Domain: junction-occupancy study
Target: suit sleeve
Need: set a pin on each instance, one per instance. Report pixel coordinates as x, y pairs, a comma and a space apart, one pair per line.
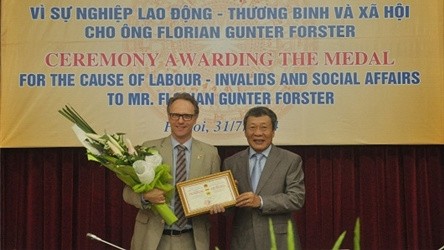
131, 197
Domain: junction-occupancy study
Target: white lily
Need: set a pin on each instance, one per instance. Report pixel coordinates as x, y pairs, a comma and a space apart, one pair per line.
144, 171
115, 143
94, 137
154, 160
114, 148
131, 149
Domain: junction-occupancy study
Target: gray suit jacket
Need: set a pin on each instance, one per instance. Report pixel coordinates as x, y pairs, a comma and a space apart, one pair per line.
148, 227
282, 189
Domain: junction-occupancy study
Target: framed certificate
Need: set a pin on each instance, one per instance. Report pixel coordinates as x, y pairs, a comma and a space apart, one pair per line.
198, 195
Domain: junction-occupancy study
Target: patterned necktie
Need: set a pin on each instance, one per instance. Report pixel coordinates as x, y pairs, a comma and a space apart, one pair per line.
181, 175
256, 174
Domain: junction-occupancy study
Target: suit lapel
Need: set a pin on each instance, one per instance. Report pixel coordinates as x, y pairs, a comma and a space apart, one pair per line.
196, 160
270, 166
165, 149
244, 170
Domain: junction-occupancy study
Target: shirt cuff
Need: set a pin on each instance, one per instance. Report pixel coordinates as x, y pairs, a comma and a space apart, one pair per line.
145, 204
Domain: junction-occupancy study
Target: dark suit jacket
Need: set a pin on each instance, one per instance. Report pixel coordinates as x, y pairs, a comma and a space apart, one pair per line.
282, 189
148, 227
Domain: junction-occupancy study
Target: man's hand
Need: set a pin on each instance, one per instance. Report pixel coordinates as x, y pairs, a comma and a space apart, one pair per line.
248, 199
155, 196
215, 209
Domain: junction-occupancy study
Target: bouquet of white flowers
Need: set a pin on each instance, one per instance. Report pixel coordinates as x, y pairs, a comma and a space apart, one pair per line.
139, 167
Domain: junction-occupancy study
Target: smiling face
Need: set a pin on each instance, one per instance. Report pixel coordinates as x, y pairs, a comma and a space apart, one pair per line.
181, 129
259, 132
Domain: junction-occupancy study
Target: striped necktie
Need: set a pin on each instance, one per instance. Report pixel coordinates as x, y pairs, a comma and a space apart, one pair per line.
181, 175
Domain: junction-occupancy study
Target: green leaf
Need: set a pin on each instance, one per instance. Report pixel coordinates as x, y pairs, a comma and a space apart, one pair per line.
357, 238
338, 242
166, 213
290, 236
272, 236
72, 115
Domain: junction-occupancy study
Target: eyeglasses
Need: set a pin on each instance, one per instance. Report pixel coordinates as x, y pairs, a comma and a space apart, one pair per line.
185, 117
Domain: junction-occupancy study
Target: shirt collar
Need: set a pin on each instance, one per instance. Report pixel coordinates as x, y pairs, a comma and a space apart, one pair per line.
266, 152
187, 144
